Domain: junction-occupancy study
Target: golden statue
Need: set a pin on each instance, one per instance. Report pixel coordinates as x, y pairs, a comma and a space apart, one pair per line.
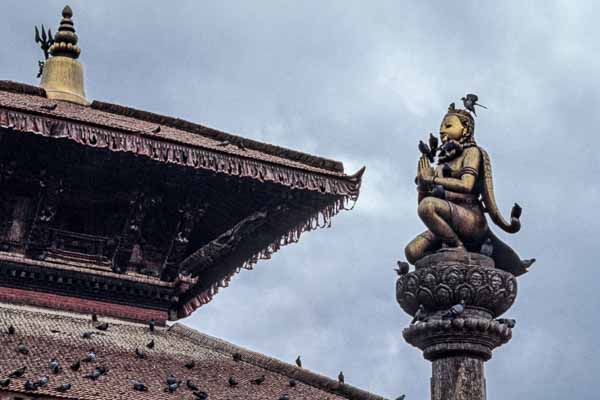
454, 197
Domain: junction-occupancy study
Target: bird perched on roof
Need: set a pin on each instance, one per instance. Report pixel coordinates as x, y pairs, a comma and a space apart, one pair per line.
171, 379
232, 382
200, 395
237, 357
403, 268
401, 397
139, 386
11, 330
49, 107
455, 310
191, 385
292, 383
172, 387
17, 373
103, 326
4, 382
29, 385
487, 248
156, 129
75, 366
298, 362
90, 357
87, 334
22, 349
54, 366
470, 101
96, 373
420, 316
43, 381
341, 377
258, 380
151, 325
150, 344
508, 322
140, 354
63, 387
190, 364
94, 317
284, 397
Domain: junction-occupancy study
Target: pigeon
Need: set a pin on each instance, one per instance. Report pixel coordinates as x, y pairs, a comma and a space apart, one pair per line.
292, 383
96, 373
171, 379
29, 385
284, 397
232, 382
102, 327
425, 150
49, 107
224, 143
433, 143
54, 366
17, 373
155, 130
341, 377
87, 335
151, 325
258, 380
172, 387
508, 322
420, 315
454, 311
237, 357
150, 344
75, 366
403, 268
4, 382
401, 397
200, 395
140, 354
94, 317
470, 101
22, 349
191, 385
43, 381
446, 171
139, 386
299, 362
516, 211
527, 263
91, 357
63, 387
190, 364
487, 248
11, 330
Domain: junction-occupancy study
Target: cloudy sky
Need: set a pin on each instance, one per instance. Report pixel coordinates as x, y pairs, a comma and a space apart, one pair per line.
362, 82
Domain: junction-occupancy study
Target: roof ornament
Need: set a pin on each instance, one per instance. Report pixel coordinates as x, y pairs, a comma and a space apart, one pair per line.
45, 40
61, 73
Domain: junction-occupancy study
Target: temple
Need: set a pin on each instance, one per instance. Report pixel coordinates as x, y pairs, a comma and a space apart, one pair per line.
115, 221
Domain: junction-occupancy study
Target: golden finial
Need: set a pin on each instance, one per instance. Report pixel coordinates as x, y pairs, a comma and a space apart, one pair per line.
62, 74
65, 40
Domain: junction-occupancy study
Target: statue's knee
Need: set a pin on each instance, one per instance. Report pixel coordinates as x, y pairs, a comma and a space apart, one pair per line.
426, 208
410, 252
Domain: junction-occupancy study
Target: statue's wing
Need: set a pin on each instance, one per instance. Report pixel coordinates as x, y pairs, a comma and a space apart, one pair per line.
490, 200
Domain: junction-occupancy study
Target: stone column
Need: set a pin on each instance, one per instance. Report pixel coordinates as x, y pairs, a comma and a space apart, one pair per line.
457, 347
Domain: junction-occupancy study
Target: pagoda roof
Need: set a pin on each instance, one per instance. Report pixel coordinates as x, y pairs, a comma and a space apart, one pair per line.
52, 334
25, 108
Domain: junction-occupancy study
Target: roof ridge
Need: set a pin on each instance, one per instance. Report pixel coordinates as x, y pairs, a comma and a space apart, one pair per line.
221, 136
23, 88
274, 365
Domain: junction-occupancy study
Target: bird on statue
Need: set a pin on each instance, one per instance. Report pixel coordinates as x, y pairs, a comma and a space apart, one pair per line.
487, 248
341, 377
470, 101
299, 362
454, 311
403, 268
420, 315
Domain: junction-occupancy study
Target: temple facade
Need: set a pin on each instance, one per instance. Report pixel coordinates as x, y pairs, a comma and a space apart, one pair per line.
116, 222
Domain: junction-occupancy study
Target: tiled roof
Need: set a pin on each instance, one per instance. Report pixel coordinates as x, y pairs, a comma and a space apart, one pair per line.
117, 128
57, 335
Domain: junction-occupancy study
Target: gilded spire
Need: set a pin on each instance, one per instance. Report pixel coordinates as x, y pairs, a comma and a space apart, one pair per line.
62, 74
65, 40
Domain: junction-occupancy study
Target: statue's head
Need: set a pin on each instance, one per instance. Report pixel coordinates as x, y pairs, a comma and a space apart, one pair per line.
457, 125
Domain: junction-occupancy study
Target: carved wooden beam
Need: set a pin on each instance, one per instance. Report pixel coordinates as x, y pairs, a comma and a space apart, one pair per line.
222, 246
